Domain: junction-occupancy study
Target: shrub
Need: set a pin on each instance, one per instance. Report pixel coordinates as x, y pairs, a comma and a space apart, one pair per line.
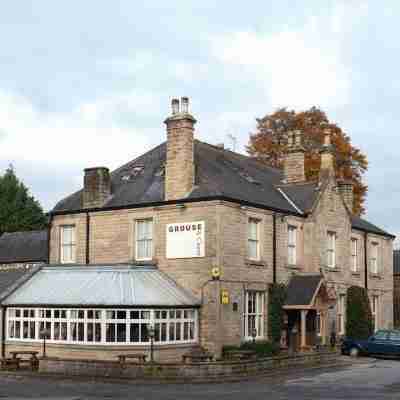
262, 349
358, 313
277, 297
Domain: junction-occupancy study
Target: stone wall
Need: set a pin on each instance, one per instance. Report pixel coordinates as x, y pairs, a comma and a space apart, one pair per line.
190, 372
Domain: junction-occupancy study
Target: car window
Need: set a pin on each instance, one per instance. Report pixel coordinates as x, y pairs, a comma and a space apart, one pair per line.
380, 335
395, 336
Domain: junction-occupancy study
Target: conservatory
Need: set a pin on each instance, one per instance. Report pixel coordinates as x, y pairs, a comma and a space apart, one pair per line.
105, 305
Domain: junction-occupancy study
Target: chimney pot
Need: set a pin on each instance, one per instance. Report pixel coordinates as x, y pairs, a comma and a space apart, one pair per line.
185, 105
175, 106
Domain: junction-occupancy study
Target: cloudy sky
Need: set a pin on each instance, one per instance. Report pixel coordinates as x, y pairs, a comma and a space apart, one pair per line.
86, 83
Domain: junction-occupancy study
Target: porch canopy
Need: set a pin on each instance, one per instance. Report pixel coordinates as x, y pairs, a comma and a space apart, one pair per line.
308, 292
101, 285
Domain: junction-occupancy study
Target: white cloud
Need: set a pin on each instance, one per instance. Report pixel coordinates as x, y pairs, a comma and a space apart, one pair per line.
296, 67
89, 135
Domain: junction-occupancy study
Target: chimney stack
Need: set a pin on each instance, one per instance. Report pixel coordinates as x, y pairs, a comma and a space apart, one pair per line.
294, 160
179, 169
327, 155
345, 187
96, 187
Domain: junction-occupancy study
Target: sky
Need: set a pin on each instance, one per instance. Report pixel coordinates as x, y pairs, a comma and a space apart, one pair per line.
89, 83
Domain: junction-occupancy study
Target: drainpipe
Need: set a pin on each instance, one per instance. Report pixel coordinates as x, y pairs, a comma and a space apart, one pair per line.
87, 238
274, 247
48, 238
3, 332
366, 259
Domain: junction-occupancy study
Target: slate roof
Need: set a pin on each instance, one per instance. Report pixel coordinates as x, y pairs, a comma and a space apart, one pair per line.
363, 225
396, 262
301, 289
101, 285
21, 247
220, 173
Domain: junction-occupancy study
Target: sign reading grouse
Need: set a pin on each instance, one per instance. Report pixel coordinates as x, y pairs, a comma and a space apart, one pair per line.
185, 240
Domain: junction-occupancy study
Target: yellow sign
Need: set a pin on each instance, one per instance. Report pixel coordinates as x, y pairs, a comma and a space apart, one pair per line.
224, 297
215, 273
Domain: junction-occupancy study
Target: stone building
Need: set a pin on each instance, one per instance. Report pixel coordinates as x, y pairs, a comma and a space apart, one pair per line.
182, 244
396, 287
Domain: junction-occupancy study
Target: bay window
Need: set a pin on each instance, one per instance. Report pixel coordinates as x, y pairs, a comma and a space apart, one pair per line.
144, 239
254, 314
102, 326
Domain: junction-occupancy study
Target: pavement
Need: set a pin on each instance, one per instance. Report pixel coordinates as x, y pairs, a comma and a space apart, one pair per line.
363, 378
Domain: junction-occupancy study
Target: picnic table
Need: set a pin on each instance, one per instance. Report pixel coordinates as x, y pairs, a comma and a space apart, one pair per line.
138, 356
16, 360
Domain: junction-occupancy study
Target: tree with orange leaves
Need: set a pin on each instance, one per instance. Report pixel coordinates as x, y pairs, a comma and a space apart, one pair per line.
269, 144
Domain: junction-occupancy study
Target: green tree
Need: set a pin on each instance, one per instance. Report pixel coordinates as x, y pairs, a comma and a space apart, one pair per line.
276, 301
359, 323
269, 145
19, 211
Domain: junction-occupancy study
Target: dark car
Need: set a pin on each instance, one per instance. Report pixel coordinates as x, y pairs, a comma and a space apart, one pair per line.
383, 342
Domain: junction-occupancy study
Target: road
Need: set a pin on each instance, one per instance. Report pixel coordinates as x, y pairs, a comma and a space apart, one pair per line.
364, 379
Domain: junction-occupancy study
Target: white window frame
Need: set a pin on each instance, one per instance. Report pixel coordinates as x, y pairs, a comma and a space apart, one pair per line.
374, 258
331, 249
71, 244
354, 254
292, 245
341, 309
375, 311
145, 239
256, 240
318, 323
256, 314
180, 325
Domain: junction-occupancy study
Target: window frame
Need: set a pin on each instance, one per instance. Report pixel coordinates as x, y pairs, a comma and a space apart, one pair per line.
144, 240
331, 250
341, 310
374, 258
257, 241
184, 319
292, 247
354, 254
258, 314
71, 245
375, 311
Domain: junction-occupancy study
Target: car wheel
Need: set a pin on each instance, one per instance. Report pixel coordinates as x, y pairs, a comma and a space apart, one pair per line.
354, 352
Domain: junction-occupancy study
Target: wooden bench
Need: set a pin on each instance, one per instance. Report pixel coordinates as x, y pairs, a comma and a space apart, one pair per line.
10, 364
240, 354
138, 356
32, 362
198, 355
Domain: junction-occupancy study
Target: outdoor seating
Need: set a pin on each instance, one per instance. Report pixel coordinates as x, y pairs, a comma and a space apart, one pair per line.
15, 361
198, 355
138, 356
240, 354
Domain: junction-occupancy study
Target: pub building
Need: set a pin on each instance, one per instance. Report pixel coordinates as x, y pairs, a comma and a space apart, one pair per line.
180, 246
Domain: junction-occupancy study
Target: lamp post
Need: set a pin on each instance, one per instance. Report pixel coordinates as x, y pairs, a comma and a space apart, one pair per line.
151, 335
44, 334
254, 334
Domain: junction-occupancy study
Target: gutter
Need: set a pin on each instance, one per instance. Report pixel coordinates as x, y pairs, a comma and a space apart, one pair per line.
366, 260
87, 238
179, 201
274, 248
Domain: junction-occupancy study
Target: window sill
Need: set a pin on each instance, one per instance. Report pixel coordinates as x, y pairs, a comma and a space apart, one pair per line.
255, 263
375, 276
332, 269
356, 274
151, 261
294, 267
